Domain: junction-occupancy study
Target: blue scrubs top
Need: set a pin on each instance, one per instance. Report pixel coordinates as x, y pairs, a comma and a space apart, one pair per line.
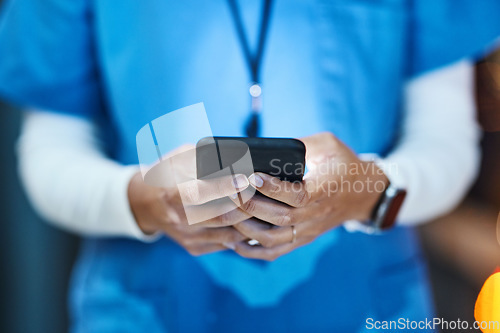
334, 66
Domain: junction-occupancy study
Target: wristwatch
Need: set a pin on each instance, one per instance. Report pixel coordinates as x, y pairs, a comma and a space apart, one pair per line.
387, 208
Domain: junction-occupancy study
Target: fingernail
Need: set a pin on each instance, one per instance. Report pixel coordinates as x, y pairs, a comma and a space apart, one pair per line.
256, 180
229, 245
240, 182
253, 242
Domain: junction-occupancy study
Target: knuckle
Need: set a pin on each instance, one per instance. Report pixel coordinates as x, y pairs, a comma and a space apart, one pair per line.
250, 206
328, 135
273, 186
217, 221
286, 218
224, 219
301, 199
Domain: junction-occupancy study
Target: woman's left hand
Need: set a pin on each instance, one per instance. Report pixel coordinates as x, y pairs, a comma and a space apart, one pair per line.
338, 187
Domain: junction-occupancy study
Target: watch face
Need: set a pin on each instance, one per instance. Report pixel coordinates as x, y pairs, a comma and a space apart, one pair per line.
396, 198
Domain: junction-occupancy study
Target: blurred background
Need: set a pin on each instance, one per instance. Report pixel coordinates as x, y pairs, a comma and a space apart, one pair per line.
462, 248
36, 259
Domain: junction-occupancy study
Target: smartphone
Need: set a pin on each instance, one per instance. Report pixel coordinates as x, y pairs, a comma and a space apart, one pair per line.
283, 158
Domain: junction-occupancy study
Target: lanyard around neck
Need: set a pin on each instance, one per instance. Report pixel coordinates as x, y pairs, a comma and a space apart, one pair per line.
253, 61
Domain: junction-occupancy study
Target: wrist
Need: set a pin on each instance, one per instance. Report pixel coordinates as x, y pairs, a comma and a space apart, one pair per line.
119, 208
376, 183
142, 203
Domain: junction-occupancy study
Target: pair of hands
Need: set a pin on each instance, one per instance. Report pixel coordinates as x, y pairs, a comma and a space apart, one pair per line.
338, 187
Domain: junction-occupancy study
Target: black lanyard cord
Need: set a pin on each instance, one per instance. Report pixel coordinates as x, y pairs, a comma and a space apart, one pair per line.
253, 61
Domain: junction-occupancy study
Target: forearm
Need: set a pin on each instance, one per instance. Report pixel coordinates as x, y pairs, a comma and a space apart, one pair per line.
437, 156
69, 179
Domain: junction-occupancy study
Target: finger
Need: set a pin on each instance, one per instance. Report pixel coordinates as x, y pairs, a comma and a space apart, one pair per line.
199, 191
275, 212
271, 236
212, 210
264, 253
224, 235
266, 234
232, 217
295, 194
205, 249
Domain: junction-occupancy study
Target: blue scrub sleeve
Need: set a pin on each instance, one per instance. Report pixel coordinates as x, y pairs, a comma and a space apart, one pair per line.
445, 31
47, 56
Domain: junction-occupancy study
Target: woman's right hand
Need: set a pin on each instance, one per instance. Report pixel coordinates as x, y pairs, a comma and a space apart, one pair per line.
161, 209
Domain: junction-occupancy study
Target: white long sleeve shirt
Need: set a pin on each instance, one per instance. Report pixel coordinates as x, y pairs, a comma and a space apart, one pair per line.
74, 185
